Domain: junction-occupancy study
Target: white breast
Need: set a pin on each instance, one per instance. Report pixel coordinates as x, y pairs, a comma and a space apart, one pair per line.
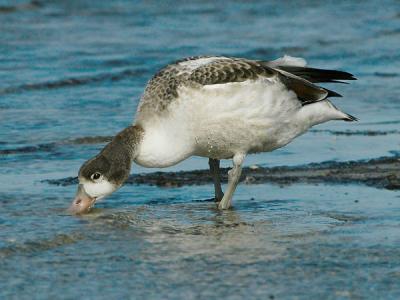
166, 142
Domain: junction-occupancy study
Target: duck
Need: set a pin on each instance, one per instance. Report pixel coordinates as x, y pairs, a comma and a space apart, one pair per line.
216, 107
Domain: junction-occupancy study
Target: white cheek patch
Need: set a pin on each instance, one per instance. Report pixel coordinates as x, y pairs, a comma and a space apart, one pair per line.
99, 189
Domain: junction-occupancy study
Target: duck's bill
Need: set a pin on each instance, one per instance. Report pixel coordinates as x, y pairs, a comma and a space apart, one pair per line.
82, 202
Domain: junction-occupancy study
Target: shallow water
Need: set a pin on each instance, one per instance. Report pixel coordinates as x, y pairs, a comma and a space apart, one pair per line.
74, 70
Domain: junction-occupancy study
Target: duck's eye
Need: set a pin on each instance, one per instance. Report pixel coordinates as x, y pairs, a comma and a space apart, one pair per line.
95, 176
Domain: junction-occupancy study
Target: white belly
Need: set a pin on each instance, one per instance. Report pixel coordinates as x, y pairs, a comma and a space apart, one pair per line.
225, 142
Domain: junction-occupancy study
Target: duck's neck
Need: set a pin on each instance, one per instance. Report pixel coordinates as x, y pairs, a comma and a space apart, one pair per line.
125, 143
130, 139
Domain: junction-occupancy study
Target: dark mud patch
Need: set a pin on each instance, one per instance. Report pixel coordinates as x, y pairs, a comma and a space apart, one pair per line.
382, 172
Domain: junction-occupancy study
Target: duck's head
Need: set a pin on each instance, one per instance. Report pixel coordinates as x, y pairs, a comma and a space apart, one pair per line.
98, 177
106, 172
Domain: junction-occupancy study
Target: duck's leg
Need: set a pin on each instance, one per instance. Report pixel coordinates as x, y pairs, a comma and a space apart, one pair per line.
233, 180
214, 170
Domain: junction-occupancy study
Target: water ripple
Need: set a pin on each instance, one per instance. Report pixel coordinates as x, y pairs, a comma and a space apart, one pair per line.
73, 81
50, 147
34, 4
32, 247
356, 132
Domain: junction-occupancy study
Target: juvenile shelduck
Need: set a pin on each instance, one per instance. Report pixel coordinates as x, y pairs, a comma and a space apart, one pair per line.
216, 107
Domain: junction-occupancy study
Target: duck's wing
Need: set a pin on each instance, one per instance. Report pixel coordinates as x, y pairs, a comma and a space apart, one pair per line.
296, 78
199, 71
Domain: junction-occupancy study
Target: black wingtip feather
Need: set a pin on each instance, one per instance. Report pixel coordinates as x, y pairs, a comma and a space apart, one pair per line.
318, 75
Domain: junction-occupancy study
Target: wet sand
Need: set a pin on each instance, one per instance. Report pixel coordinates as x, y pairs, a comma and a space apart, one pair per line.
382, 172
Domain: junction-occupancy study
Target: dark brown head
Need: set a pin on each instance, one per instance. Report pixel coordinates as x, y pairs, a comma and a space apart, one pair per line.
106, 172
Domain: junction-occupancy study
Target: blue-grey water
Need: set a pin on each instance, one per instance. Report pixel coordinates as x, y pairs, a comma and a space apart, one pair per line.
76, 69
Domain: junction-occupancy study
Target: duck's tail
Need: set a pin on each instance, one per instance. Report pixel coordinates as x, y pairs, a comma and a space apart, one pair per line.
321, 112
